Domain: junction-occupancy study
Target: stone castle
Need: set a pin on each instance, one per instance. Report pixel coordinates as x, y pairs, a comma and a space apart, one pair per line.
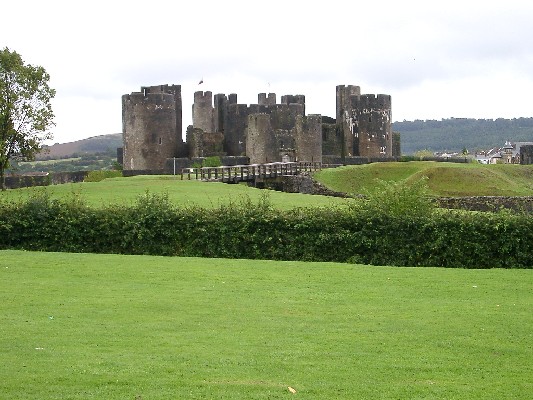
257, 133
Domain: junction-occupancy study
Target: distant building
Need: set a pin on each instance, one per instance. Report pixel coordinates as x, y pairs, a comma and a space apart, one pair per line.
510, 153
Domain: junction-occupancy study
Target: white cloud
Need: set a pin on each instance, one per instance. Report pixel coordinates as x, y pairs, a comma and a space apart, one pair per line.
436, 59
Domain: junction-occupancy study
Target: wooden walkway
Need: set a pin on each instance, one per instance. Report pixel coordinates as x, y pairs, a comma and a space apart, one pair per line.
248, 173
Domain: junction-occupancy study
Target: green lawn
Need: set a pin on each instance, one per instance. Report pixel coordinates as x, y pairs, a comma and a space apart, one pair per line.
77, 326
204, 194
444, 179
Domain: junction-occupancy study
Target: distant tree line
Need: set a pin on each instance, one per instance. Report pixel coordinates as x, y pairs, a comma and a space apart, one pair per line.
77, 162
457, 134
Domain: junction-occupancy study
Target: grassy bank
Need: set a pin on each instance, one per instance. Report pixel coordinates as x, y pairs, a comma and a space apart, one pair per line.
124, 191
444, 179
83, 326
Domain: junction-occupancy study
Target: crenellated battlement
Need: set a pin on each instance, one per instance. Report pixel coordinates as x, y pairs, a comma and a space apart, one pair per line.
349, 90
232, 98
238, 109
293, 99
140, 98
203, 97
264, 100
170, 89
381, 101
266, 131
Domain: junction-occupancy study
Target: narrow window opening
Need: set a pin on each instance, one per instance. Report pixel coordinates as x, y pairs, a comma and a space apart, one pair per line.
160, 140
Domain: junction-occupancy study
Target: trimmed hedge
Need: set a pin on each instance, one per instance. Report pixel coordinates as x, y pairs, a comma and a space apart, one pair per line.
358, 234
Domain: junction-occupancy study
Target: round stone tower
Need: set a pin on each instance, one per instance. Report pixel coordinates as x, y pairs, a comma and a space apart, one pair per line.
151, 125
261, 146
308, 138
373, 125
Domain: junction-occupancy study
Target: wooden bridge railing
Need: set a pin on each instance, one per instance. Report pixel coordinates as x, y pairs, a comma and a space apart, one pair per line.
252, 172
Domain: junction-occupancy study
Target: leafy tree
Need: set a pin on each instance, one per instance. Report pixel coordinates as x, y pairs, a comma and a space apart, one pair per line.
25, 109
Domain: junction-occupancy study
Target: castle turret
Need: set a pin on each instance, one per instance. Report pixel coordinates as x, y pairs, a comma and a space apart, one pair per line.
151, 126
220, 112
345, 120
364, 123
373, 132
202, 111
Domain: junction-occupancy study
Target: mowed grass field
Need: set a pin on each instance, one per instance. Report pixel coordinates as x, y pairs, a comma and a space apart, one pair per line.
79, 326
125, 191
444, 179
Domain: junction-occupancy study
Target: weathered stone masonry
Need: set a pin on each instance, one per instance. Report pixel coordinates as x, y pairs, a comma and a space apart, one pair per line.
151, 125
264, 132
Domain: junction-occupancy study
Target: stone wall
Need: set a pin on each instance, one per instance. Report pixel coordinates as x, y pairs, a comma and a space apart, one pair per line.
204, 144
487, 203
15, 182
526, 155
235, 129
308, 138
261, 145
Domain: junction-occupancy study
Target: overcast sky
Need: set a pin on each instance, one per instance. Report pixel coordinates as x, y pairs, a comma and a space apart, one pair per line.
437, 59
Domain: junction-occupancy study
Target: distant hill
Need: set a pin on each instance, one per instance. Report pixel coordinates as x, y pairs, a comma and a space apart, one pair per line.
455, 134
92, 145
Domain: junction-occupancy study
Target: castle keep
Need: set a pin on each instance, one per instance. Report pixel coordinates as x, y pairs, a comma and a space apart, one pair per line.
257, 133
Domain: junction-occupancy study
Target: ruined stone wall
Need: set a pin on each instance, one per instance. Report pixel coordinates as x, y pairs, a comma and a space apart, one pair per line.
488, 203
373, 129
283, 116
149, 125
203, 111
220, 112
235, 128
308, 138
345, 118
294, 99
282, 143
285, 144
204, 144
275, 141
332, 139
261, 146
526, 155
194, 141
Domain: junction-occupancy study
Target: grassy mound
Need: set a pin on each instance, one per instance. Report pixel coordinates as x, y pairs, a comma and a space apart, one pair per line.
444, 179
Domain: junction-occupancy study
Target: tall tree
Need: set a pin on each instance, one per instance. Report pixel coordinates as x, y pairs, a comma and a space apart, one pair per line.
25, 110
